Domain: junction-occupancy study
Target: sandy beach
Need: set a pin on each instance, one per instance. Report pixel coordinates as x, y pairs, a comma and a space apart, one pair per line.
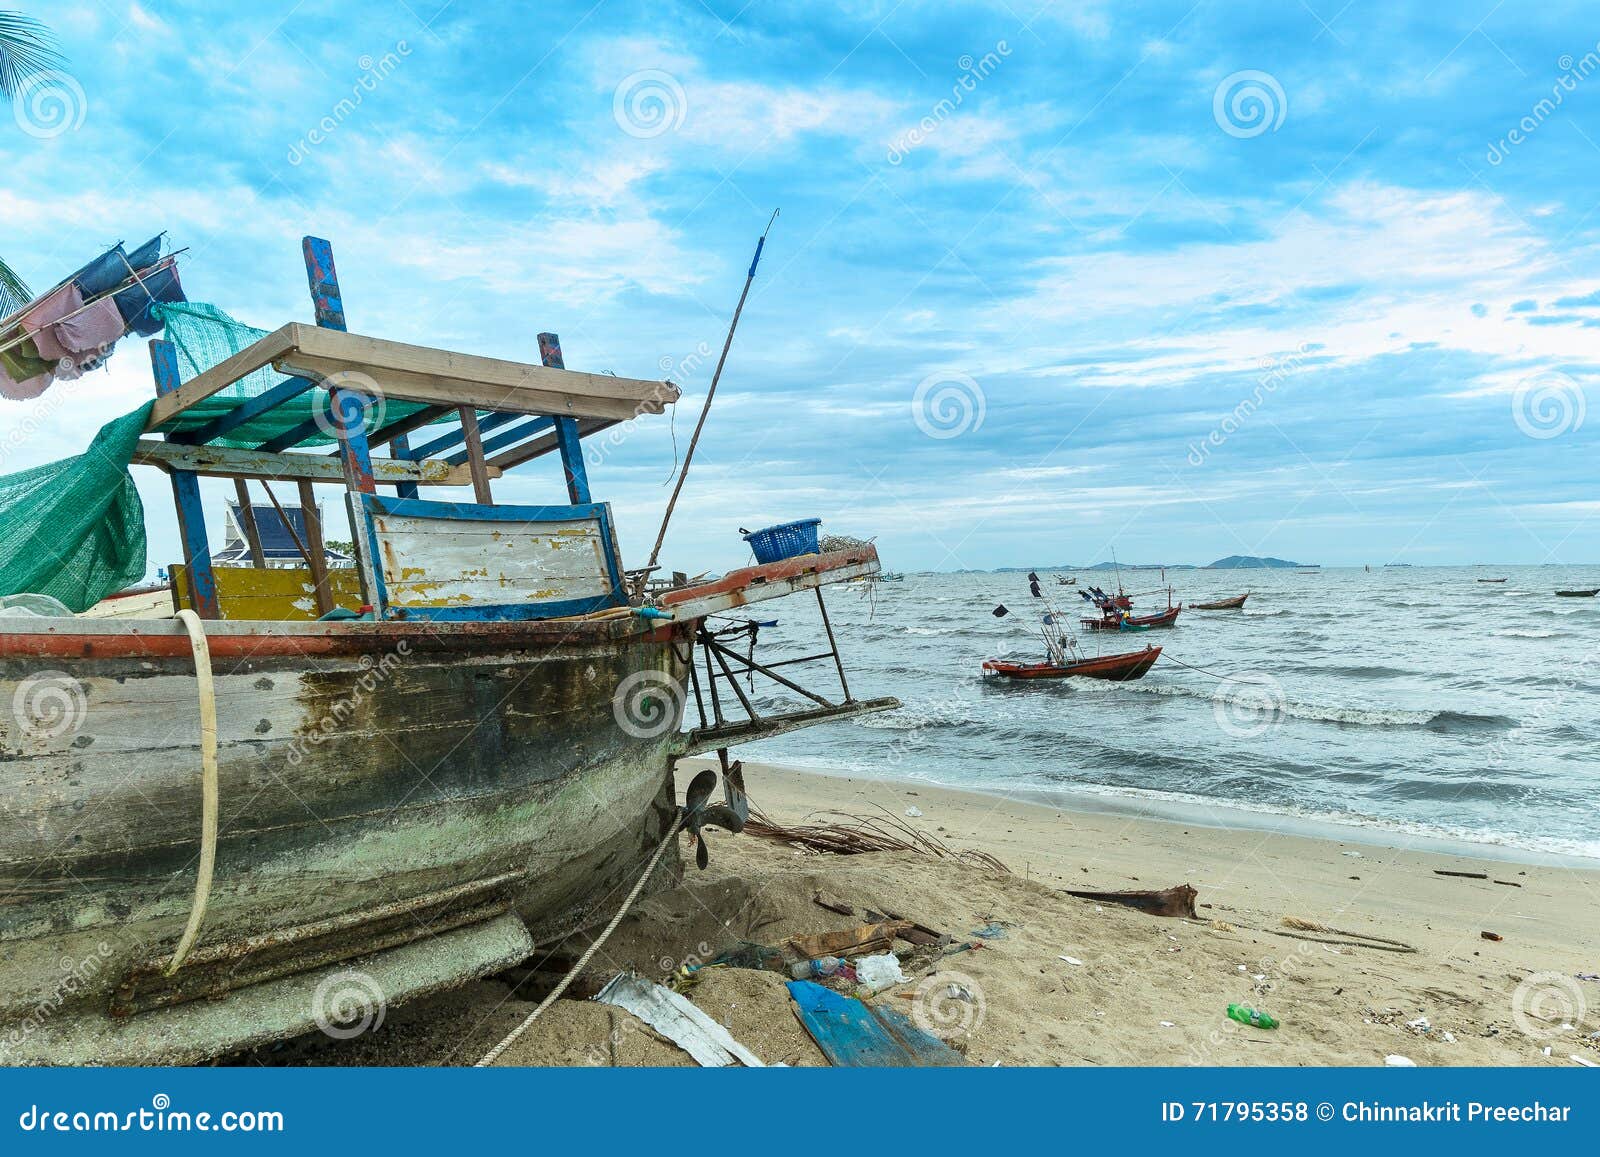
1137, 989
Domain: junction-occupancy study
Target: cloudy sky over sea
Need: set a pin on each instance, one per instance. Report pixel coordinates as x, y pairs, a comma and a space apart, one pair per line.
1314, 280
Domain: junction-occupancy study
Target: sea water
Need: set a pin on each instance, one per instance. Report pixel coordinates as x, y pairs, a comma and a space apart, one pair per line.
1415, 701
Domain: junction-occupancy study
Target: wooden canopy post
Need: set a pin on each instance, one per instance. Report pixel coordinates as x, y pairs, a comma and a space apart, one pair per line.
349, 416
566, 430
316, 552
472, 439
247, 523
186, 494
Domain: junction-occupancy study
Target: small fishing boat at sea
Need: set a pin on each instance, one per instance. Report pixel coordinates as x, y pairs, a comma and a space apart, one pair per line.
1229, 604
1582, 594
1491, 580
1066, 580
1062, 659
1116, 668
1121, 620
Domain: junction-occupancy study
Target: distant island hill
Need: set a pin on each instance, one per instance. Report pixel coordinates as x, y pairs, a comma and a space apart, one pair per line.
1232, 562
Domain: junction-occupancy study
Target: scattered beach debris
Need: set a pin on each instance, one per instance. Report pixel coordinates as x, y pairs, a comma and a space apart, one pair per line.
993, 930
1354, 855
1461, 875
876, 973
821, 966
1303, 929
1396, 1061
677, 1019
914, 812
1491, 935
913, 932
1509, 883
1421, 1025
846, 834
1072, 960
832, 904
852, 1033
1255, 1017
1222, 926
865, 940
1175, 901
1168, 1024
1584, 1061
1587, 975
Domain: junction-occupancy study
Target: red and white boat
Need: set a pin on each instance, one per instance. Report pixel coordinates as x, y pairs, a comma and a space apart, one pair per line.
1117, 668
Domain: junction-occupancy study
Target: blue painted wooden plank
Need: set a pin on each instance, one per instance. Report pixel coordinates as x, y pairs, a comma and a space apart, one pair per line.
246, 411
857, 1035
458, 435
567, 441
400, 447
470, 511
349, 417
511, 612
507, 438
186, 496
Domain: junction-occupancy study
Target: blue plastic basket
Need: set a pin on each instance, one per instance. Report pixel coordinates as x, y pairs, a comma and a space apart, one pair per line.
786, 540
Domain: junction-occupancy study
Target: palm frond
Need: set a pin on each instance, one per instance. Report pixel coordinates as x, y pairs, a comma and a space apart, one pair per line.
27, 48
14, 292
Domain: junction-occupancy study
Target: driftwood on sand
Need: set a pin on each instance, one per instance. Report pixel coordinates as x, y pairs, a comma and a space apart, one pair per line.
846, 834
1175, 901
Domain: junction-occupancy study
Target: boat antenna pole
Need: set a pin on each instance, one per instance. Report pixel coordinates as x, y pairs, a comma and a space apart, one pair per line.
710, 393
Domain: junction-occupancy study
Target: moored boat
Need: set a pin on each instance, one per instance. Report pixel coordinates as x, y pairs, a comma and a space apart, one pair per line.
1117, 668
1580, 594
1121, 621
1229, 604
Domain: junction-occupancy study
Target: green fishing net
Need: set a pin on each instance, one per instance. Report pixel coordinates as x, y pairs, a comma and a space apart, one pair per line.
74, 529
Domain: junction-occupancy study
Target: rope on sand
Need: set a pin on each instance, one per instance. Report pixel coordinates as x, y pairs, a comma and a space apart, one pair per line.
494, 1054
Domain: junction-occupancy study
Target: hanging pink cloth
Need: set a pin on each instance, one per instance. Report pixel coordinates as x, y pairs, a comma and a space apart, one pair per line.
95, 328
44, 313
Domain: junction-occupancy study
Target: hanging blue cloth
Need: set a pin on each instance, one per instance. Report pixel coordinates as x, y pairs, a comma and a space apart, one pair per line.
134, 303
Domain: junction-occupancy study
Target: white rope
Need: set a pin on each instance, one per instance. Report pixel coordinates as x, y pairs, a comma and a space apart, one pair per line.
494, 1054
208, 784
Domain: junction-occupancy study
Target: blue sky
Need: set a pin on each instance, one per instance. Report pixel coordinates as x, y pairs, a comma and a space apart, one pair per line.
1300, 279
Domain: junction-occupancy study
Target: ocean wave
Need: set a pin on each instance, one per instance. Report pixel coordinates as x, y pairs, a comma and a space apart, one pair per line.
1520, 633
1356, 716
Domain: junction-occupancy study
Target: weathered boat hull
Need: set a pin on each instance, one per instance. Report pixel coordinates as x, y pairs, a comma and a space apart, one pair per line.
379, 792
1163, 619
1230, 604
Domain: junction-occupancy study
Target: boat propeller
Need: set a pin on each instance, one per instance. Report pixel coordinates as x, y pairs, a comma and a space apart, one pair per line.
698, 810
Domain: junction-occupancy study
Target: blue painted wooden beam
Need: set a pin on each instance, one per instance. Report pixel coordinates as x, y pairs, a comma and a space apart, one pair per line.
349, 416
566, 429
507, 438
246, 411
186, 495
298, 434
458, 435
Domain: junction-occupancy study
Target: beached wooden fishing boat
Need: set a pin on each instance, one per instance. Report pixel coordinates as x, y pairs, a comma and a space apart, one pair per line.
1117, 668
1583, 594
382, 806
1230, 604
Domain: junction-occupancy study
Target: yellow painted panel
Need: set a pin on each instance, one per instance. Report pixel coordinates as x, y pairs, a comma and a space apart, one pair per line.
275, 594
